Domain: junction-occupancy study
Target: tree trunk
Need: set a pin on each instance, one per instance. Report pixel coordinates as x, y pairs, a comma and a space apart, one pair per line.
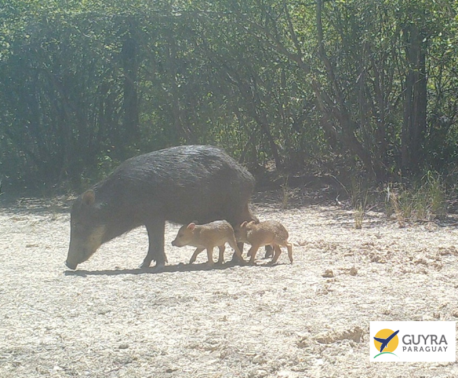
415, 101
129, 53
339, 109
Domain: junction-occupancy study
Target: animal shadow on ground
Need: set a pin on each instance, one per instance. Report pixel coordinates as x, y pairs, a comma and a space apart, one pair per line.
166, 269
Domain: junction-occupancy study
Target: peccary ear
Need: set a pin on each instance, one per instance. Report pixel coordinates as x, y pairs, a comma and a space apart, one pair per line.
89, 197
191, 226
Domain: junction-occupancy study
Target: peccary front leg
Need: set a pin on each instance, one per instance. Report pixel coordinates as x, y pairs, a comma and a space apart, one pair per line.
210, 261
156, 252
195, 254
222, 248
235, 259
252, 253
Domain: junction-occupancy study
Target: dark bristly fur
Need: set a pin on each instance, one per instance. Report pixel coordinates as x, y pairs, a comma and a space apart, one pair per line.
178, 184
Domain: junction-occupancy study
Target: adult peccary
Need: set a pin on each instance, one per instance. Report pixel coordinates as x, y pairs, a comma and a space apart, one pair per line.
178, 184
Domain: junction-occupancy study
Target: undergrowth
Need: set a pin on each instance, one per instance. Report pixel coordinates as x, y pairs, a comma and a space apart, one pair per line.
421, 201
424, 199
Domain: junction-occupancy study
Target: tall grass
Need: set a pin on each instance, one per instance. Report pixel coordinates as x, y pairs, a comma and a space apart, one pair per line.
359, 194
423, 201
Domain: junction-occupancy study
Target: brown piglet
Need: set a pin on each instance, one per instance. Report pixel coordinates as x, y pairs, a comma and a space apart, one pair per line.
260, 234
208, 236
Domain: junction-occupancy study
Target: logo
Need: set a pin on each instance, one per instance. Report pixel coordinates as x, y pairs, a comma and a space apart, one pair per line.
386, 341
413, 341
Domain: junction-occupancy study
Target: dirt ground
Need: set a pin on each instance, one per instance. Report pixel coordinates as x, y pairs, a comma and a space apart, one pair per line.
109, 319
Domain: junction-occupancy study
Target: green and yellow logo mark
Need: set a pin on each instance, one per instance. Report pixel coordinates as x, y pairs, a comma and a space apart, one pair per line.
386, 341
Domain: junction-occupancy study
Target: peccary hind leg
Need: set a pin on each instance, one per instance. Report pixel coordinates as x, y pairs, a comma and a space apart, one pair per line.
156, 229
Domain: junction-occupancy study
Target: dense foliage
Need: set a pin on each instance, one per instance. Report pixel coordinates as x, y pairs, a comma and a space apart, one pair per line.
325, 85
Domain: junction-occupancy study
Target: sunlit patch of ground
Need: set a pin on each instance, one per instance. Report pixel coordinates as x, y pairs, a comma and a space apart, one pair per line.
309, 319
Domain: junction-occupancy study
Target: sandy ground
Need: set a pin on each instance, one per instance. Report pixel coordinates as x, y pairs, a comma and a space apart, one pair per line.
109, 319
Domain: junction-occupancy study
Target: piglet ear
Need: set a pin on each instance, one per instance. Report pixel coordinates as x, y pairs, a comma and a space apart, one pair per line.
191, 226
243, 224
89, 197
